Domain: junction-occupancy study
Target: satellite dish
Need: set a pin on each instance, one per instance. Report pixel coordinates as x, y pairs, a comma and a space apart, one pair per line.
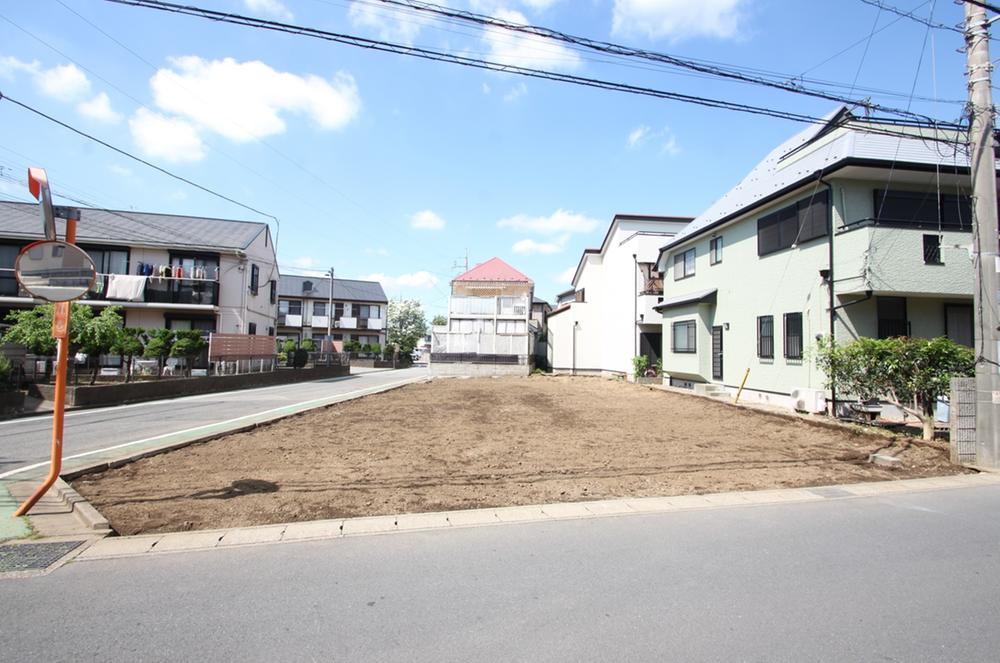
55, 271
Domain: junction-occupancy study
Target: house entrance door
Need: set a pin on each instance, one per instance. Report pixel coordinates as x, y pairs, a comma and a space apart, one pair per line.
716, 353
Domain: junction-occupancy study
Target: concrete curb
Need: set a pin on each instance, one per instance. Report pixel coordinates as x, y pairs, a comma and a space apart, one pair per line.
81, 508
317, 530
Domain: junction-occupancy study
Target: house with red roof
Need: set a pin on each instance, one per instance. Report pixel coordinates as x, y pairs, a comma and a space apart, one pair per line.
489, 330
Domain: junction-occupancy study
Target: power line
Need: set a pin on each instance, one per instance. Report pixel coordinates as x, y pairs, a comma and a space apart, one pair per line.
4, 97
628, 51
477, 63
911, 15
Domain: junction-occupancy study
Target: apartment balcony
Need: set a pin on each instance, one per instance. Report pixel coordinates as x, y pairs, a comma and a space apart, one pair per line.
289, 320
320, 321
168, 293
652, 286
346, 323
489, 306
375, 323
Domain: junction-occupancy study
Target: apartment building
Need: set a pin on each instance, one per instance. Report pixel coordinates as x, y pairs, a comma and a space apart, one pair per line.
360, 309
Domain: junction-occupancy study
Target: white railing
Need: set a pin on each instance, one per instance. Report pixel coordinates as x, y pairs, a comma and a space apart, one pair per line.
320, 321
349, 323
481, 343
293, 320
376, 323
489, 305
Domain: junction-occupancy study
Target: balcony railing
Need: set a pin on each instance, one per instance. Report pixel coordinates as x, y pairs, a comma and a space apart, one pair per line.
489, 306
197, 292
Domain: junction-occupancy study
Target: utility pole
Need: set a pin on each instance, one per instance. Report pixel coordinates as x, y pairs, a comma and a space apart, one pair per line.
329, 322
987, 259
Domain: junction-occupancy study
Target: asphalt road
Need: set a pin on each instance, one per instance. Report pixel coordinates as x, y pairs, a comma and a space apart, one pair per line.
911, 577
28, 440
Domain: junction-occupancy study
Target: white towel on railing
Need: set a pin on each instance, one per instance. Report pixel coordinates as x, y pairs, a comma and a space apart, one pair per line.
126, 286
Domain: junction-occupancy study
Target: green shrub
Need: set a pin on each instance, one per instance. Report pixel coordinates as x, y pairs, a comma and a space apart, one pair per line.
308, 345
639, 365
6, 370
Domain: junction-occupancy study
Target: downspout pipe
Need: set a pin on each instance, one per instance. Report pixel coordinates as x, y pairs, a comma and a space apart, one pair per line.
830, 283
635, 307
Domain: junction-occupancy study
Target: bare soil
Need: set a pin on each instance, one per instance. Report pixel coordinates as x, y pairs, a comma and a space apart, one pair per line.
460, 444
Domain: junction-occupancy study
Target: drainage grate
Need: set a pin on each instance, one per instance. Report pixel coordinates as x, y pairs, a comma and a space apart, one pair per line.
33, 556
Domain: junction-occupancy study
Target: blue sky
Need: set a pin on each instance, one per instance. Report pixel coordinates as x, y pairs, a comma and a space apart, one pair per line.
390, 167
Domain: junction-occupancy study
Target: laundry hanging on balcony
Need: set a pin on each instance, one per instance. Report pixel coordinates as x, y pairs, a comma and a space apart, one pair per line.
126, 286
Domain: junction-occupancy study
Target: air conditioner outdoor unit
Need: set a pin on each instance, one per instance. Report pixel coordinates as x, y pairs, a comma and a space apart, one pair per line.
812, 401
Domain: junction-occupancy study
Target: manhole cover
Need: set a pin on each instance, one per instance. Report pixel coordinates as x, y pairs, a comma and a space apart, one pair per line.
33, 556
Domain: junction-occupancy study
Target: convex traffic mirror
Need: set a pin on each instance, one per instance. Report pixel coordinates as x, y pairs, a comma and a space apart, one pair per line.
55, 271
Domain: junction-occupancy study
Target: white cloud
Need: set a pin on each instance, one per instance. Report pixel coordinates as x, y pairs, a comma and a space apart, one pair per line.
665, 137
390, 24
64, 82
413, 280
559, 221
99, 108
529, 246
516, 93
304, 262
165, 137
244, 101
120, 170
677, 19
380, 252
426, 220
9, 65
636, 136
539, 5
566, 276
269, 7
514, 48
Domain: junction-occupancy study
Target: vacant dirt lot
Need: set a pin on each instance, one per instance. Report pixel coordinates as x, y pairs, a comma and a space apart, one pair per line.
459, 444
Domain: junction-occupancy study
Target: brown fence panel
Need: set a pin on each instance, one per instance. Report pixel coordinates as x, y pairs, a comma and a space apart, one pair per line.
236, 346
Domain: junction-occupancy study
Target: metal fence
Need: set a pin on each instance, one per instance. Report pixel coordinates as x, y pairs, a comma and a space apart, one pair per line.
962, 417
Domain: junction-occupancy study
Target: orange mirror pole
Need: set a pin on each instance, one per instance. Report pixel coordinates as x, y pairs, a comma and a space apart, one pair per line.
60, 329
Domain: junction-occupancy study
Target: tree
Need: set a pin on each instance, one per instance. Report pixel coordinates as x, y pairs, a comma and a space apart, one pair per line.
129, 345
159, 342
32, 328
439, 321
911, 373
308, 345
188, 344
406, 324
99, 335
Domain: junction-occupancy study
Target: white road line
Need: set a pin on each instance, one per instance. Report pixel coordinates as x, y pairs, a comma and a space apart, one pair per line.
357, 392
116, 408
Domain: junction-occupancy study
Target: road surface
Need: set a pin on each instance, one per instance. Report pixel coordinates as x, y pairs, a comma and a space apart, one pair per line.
907, 577
28, 440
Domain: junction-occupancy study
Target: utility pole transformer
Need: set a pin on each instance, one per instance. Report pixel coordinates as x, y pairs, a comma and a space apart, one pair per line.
986, 291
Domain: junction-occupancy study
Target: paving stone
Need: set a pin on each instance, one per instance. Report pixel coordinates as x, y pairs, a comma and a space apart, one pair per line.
608, 507
566, 510
514, 514
315, 529
422, 521
652, 504
250, 535
472, 517
356, 526
725, 499
187, 541
119, 546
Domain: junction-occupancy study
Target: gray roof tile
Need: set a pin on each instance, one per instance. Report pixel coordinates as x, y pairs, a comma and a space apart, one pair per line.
22, 220
343, 289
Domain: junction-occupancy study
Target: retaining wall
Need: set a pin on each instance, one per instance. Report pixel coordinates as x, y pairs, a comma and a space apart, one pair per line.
114, 394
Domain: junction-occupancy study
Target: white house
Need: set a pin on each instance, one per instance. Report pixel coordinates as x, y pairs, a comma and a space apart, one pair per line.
489, 331
855, 227
607, 318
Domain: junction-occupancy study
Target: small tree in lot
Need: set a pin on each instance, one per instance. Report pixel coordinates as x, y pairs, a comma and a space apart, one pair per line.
308, 345
100, 335
439, 321
129, 346
32, 328
188, 344
911, 373
639, 365
406, 325
159, 343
